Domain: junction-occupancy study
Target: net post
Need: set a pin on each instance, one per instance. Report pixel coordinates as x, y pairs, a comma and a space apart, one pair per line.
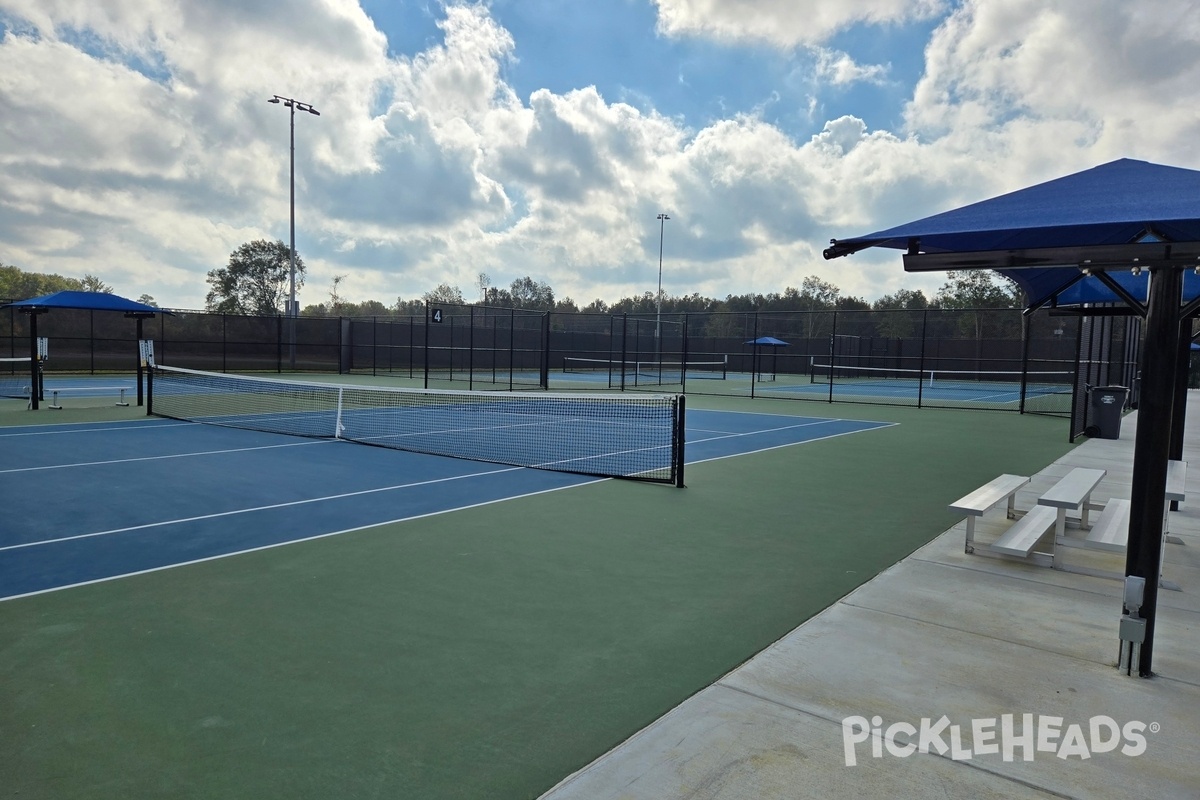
921, 363
624, 346
544, 366
681, 407
34, 385
337, 425
1027, 330
426, 384
471, 347
149, 390
754, 357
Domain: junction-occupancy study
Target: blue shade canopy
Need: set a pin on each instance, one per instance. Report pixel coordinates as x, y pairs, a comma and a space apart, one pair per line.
768, 341
1040, 236
92, 301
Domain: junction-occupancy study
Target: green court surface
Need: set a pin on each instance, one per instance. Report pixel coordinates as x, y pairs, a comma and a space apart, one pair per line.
482, 653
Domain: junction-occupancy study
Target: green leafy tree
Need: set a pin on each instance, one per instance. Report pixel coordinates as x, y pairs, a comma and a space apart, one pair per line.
256, 280
974, 291
445, 293
528, 293
147, 300
501, 298
904, 313
408, 308
16, 284
91, 283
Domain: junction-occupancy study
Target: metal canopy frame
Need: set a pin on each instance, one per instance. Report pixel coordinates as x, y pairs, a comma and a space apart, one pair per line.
1068, 256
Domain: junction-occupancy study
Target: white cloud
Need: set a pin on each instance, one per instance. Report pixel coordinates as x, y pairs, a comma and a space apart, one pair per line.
1036, 90
137, 145
784, 23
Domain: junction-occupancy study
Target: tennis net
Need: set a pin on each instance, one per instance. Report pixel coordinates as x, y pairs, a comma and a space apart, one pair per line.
648, 373
625, 436
946, 380
16, 375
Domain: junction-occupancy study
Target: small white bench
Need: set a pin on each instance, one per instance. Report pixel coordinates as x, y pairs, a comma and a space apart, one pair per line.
1025, 532
991, 494
1072, 492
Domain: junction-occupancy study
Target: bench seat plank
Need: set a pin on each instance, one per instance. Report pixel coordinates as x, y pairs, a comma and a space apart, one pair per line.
1025, 532
988, 495
1072, 489
1111, 531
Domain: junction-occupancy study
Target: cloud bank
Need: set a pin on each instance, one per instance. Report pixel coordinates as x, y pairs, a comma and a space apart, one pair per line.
137, 144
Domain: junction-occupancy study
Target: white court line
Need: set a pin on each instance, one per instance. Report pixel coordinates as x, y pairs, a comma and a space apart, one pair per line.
167, 456
877, 426
728, 435
296, 541
122, 427
235, 512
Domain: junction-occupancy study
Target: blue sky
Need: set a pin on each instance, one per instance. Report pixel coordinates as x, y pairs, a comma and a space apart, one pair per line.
541, 138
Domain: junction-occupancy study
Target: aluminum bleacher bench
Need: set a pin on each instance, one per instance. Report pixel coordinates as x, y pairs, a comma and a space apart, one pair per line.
1072, 492
1020, 538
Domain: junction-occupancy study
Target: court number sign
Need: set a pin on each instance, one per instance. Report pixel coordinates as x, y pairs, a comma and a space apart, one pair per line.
436, 314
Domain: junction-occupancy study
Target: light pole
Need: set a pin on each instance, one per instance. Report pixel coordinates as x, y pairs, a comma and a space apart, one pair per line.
291, 311
662, 223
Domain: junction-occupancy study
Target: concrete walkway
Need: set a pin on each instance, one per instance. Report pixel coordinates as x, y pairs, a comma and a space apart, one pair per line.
962, 636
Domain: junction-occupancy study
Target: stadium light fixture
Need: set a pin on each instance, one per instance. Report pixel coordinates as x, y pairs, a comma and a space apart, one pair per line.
292, 104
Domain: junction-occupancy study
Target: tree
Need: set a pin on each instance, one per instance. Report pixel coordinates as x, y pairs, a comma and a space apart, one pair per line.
501, 298
335, 299
16, 284
905, 299
971, 290
528, 293
91, 283
483, 281
906, 309
445, 293
978, 288
409, 308
256, 280
147, 300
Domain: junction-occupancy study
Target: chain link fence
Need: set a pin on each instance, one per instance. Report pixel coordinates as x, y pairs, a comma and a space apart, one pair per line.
992, 359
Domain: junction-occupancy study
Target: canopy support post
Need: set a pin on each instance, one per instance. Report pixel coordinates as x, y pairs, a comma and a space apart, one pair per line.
1152, 447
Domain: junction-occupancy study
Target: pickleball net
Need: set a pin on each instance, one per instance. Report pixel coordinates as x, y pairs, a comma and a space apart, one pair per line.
621, 436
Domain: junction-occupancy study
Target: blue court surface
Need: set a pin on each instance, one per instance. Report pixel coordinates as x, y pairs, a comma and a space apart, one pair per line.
88, 502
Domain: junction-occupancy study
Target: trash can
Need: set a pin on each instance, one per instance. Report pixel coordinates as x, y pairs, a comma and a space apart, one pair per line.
1108, 403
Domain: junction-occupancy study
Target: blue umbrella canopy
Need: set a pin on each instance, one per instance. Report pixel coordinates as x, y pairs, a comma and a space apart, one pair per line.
768, 341
92, 301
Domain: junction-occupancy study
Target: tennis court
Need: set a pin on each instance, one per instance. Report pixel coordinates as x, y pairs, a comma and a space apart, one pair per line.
133, 496
475, 630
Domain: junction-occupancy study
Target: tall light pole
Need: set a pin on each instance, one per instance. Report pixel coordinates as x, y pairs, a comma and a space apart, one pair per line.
662, 224
291, 311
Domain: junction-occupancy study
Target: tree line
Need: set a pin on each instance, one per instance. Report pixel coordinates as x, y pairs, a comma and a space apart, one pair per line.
17, 284
256, 281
